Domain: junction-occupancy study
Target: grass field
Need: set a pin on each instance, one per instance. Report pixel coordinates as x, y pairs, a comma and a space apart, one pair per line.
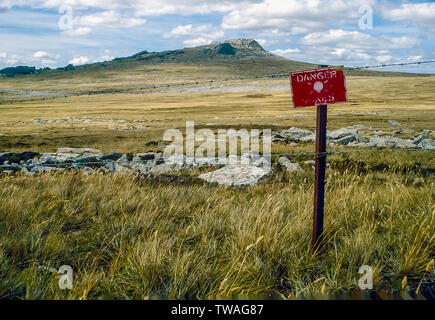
372, 101
132, 237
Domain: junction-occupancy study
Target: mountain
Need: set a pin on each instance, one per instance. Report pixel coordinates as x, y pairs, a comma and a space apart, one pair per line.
237, 57
244, 57
236, 49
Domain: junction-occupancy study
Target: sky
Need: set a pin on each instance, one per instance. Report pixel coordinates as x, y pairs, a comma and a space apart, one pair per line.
54, 33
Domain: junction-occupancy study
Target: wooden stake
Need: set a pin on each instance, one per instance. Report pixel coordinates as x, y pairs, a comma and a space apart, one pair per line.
319, 182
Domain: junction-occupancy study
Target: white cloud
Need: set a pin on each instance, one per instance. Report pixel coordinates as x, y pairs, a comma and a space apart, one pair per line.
187, 30
337, 55
146, 7
5, 5
267, 42
356, 39
40, 54
85, 59
106, 58
350, 55
288, 53
158, 8
200, 35
79, 60
294, 16
419, 14
43, 58
77, 32
384, 58
38, 59
414, 58
197, 42
110, 18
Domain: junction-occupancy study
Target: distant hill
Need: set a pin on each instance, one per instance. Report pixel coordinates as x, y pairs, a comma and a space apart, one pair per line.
245, 57
242, 57
230, 50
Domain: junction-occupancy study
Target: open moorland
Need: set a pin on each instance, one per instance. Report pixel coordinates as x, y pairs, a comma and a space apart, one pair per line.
170, 234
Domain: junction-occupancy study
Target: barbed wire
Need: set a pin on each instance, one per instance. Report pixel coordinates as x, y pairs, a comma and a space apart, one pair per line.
391, 65
350, 151
181, 84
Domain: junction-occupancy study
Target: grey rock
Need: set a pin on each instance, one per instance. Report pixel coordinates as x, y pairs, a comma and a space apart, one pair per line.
122, 161
48, 158
235, 175
139, 167
295, 133
359, 138
146, 156
109, 166
427, 144
127, 127
393, 123
161, 168
111, 156
343, 141
401, 131
310, 138
40, 168
340, 133
391, 142
422, 136
119, 168
289, 166
27, 172
358, 127
377, 132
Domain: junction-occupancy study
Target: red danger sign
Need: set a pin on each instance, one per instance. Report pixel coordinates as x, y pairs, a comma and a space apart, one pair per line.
318, 87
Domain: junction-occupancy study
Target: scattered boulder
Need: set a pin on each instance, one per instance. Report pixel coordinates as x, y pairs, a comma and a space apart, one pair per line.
358, 127
235, 175
39, 121
393, 123
401, 131
16, 157
341, 133
27, 172
39, 169
296, 133
289, 166
422, 136
111, 156
427, 144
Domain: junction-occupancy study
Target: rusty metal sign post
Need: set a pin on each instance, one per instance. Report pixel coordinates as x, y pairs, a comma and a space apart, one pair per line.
319, 87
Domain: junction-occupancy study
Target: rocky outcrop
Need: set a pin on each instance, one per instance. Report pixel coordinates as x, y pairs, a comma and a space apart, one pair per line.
236, 175
351, 137
244, 170
289, 165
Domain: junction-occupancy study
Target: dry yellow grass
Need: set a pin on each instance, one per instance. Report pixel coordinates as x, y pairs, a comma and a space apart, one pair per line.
401, 99
131, 238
